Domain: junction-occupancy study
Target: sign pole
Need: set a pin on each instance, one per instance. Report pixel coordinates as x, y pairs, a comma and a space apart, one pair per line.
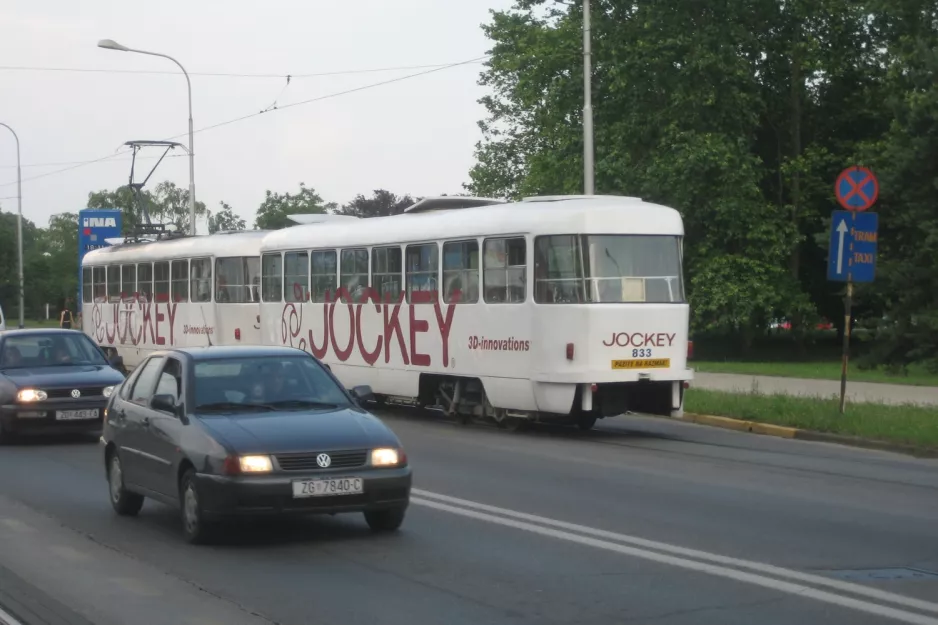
852, 256
848, 313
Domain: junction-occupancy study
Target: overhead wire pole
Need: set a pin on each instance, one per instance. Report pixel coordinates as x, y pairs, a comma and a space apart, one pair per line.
588, 173
19, 226
110, 44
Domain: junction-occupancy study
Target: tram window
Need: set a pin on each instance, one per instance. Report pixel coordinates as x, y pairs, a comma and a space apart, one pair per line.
128, 281
423, 267
161, 282
295, 276
620, 268
200, 279
386, 270
504, 270
180, 278
87, 285
353, 273
114, 283
99, 283
461, 272
324, 277
272, 278
558, 270
237, 280
145, 281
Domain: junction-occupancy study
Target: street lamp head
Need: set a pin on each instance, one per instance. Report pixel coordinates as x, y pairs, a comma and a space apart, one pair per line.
110, 44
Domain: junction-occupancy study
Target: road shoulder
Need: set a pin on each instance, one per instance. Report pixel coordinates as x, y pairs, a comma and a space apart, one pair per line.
778, 431
53, 575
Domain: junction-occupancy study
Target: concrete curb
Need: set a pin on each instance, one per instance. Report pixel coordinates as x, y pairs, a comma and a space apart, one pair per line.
779, 431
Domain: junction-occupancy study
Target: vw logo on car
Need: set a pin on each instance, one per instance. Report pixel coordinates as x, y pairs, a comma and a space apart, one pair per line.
323, 460
76, 393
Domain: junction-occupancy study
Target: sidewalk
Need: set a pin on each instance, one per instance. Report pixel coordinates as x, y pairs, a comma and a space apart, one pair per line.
856, 391
52, 575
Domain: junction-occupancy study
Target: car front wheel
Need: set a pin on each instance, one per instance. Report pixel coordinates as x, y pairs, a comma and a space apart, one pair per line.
196, 530
385, 520
125, 503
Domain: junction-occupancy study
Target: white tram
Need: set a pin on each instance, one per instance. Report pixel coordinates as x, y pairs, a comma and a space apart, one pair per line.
180, 292
553, 308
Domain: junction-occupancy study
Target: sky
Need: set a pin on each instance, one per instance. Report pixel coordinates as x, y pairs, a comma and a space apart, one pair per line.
413, 136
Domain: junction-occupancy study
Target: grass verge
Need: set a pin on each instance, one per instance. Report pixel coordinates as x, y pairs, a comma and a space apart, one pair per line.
911, 425
825, 370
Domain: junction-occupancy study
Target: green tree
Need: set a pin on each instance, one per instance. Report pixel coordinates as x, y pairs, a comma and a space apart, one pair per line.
224, 220
166, 204
739, 114
382, 203
273, 212
904, 297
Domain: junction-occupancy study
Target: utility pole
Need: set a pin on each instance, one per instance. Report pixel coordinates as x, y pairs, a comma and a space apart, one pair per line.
19, 226
588, 174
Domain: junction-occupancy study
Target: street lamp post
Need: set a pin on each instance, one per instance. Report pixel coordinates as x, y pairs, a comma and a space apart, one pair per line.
19, 225
588, 173
110, 44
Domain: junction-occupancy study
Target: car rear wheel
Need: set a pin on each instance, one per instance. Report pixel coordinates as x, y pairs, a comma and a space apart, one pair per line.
125, 503
385, 520
196, 530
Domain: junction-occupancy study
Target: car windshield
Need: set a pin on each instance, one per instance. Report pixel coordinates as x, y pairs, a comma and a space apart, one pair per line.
48, 350
263, 384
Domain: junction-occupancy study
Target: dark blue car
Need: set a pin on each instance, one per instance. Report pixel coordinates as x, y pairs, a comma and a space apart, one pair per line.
52, 381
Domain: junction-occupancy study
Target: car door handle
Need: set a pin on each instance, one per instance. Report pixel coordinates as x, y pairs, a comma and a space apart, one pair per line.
146, 422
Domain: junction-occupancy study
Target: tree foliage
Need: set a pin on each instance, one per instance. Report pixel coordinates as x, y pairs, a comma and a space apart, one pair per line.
224, 220
739, 114
274, 210
166, 204
381, 204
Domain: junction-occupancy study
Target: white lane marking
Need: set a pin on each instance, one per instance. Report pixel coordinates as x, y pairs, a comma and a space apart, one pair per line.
69, 553
693, 565
7, 619
17, 526
872, 593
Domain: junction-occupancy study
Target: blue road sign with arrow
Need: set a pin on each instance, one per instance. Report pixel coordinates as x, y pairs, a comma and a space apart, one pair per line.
853, 242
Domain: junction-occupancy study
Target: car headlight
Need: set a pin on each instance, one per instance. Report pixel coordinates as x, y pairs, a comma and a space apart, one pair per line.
31, 394
385, 457
108, 390
255, 464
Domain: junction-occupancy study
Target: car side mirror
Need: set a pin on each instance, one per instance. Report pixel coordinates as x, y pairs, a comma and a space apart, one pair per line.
164, 403
362, 393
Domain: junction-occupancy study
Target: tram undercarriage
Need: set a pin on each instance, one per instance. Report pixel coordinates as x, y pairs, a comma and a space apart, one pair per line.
466, 400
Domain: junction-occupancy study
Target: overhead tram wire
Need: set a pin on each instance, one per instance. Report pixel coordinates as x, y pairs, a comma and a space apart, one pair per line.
271, 110
347, 72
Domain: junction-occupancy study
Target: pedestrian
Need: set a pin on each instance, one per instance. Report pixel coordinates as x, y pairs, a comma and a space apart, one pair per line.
66, 319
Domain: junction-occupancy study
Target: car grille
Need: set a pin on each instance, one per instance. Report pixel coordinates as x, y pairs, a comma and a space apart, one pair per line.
306, 461
63, 393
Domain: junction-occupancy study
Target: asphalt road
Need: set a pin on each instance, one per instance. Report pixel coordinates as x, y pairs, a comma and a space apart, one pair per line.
545, 527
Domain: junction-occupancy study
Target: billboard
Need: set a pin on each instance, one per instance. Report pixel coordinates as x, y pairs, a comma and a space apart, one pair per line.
95, 226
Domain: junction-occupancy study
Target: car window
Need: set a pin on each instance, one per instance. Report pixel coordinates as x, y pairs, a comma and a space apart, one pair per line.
170, 381
146, 381
128, 384
276, 382
48, 350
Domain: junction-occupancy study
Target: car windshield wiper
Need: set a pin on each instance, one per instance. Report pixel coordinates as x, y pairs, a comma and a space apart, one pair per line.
302, 404
231, 406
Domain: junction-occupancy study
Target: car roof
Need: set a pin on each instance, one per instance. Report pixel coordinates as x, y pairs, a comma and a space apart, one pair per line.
38, 331
220, 352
